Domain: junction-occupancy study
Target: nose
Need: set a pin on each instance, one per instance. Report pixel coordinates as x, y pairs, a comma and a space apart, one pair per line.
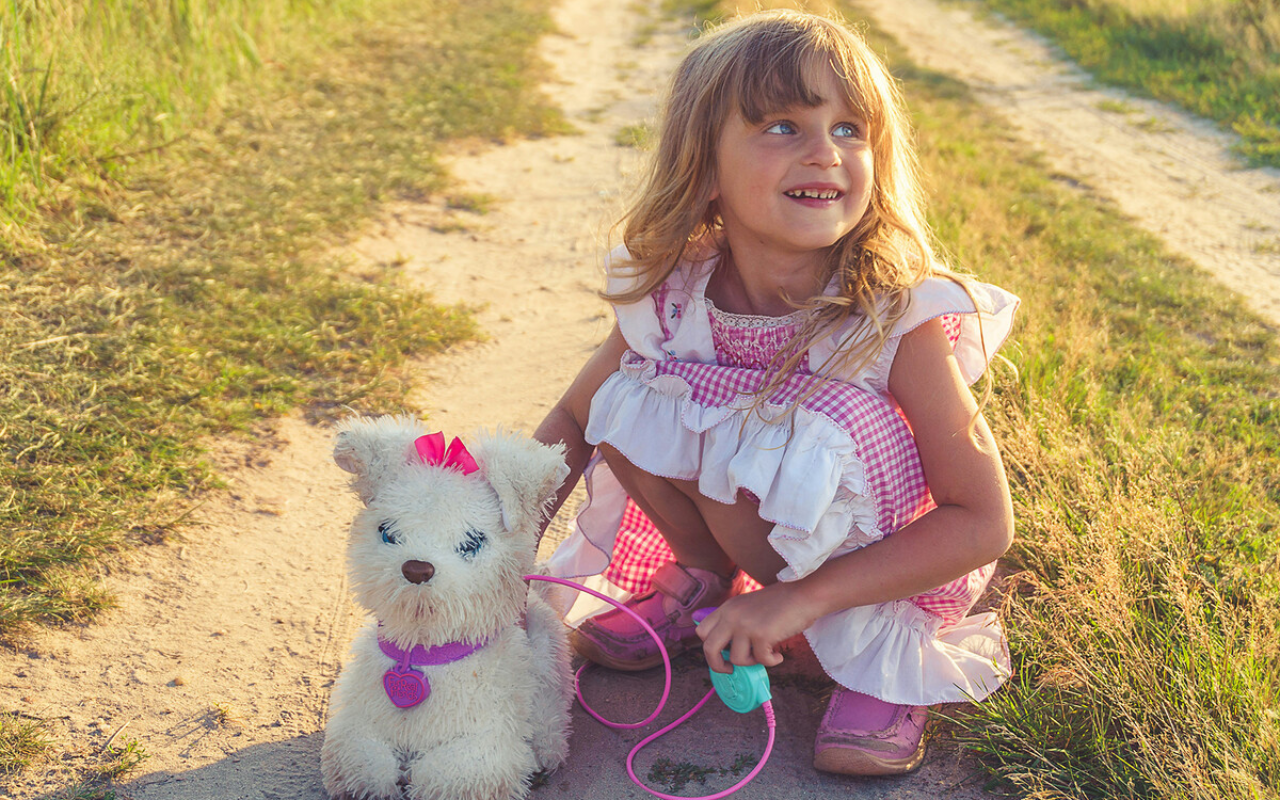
417, 571
823, 152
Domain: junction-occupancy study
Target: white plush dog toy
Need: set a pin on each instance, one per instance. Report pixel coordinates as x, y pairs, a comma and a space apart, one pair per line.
460, 689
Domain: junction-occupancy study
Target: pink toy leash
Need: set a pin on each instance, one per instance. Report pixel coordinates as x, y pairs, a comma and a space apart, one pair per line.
666, 692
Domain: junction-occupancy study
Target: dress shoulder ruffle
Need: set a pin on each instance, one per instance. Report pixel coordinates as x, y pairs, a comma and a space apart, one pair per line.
978, 318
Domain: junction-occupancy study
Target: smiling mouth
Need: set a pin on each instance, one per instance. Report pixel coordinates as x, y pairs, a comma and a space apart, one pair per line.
814, 194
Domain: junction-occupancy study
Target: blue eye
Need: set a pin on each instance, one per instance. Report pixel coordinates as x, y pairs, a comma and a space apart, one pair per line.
780, 127
388, 533
471, 545
847, 130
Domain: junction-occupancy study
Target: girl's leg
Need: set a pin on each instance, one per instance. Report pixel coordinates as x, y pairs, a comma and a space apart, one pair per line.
701, 532
858, 735
709, 540
676, 516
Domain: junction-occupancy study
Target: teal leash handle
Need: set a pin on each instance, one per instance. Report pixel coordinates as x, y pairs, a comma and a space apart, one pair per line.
745, 688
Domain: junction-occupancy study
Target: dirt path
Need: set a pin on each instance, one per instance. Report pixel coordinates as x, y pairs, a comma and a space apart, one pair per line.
220, 657
1171, 172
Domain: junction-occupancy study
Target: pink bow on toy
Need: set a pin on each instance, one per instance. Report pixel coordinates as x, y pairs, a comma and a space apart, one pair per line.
432, 451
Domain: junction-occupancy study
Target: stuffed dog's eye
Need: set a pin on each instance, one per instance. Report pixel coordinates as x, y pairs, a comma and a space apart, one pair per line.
471, 545
388, 533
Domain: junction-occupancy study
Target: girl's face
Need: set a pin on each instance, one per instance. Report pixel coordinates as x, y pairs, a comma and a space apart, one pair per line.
797, 181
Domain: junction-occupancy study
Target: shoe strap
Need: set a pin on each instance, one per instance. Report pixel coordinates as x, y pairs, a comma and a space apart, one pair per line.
676, 582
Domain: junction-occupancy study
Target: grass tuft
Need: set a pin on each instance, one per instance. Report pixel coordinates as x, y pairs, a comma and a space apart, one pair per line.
639, 136
22, 741
677, 775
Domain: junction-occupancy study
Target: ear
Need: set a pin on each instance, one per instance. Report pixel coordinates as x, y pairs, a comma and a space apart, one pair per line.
524, 473
371, 449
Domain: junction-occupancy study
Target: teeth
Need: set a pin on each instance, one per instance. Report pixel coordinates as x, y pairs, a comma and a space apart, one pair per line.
830, 194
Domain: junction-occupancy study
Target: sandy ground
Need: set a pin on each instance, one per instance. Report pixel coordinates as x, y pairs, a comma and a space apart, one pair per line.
1172, 173
219, 659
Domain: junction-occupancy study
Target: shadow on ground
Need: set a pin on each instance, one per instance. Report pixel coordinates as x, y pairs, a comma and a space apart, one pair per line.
707, 754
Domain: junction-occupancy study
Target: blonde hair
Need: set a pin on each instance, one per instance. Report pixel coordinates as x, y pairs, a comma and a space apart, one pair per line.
758, 65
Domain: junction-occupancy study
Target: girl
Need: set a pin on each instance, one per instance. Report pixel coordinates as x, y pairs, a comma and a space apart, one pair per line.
783, 404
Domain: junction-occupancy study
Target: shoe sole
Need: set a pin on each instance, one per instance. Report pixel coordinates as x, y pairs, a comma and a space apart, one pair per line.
847, 761
591, 651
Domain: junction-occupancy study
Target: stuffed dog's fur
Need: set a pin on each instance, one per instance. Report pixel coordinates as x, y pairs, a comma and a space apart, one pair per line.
494, 718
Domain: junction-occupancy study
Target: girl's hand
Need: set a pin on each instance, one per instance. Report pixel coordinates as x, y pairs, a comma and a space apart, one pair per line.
750, 626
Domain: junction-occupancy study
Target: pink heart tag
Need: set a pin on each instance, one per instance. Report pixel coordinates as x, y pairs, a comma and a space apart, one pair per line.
405, 687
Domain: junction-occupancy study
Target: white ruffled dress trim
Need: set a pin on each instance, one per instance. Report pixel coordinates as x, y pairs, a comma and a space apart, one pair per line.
827, 513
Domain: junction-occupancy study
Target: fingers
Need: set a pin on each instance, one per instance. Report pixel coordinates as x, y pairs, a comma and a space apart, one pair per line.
715, 659
769, 657
740, 652
713, 642
746, 647
744, 651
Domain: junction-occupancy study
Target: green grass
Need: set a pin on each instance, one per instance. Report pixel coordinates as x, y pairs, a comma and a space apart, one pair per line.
22, 740
187, 292
89, 83
1216, 58
164, 267
639, 136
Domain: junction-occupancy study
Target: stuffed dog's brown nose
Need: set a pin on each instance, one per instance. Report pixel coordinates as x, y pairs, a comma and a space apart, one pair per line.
417, 571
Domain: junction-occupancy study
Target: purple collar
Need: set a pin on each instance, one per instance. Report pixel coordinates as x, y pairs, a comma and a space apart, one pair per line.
445, 653
406, 687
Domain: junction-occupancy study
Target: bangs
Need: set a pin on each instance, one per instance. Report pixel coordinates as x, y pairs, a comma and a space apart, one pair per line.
771, 79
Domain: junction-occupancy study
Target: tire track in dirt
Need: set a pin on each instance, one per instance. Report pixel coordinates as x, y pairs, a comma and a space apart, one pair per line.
1171, 172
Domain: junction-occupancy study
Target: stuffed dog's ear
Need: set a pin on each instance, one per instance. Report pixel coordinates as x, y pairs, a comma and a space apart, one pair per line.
371, 449
525, 475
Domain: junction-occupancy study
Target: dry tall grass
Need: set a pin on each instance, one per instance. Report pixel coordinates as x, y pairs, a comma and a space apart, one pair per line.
89, 84
1249, 27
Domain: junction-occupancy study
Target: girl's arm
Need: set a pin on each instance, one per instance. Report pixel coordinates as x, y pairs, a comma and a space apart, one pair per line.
972, 525
567, 421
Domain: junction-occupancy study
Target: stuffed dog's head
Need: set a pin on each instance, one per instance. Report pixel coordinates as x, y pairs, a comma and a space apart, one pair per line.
439, 551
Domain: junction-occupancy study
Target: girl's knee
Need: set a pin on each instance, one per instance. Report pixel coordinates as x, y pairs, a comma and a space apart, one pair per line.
617, 462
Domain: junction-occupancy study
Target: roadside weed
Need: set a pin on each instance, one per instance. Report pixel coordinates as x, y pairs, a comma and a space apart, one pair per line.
1140, 433
22, 740
675, 776
639, 136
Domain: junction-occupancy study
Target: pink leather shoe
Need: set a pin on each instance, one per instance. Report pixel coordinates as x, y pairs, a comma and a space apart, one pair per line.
613, 639
861, 735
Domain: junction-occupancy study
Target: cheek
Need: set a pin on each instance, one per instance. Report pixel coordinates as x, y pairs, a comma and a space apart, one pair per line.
864, 166
864, 177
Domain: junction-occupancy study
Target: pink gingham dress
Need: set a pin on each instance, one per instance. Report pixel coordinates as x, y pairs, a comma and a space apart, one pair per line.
847, 475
